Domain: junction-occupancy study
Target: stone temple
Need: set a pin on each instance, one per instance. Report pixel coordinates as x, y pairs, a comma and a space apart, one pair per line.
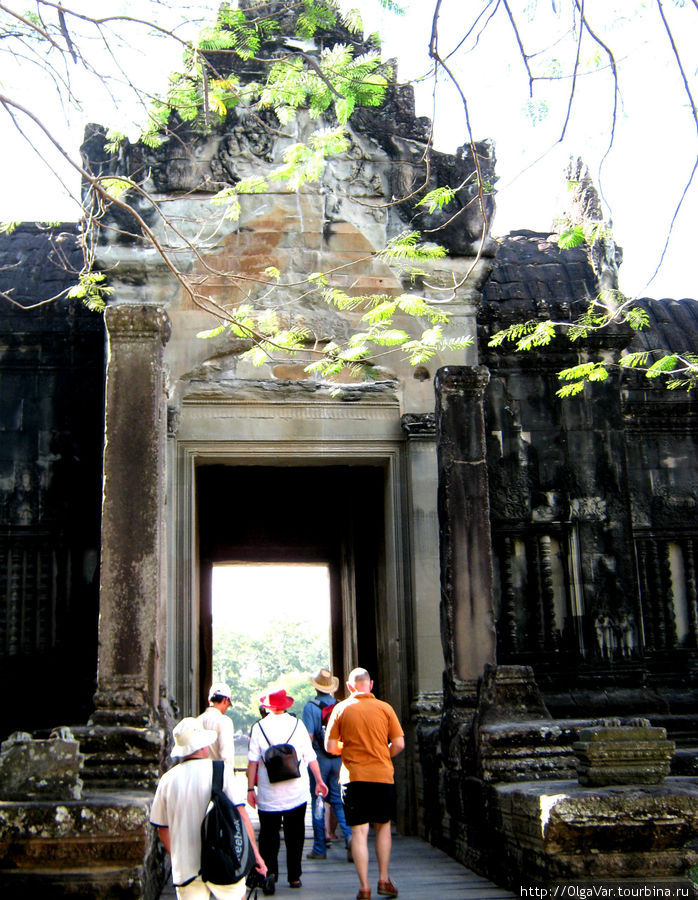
517, 571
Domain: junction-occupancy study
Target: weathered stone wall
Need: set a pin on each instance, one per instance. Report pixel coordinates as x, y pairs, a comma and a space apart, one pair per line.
584, 494
51, 424
567, 488
576, 488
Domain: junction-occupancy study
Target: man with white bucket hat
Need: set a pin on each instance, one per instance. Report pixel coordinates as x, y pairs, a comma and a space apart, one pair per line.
180, 803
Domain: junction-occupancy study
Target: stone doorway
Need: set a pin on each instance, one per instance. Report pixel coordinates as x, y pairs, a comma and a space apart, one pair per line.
358, 492
300, 514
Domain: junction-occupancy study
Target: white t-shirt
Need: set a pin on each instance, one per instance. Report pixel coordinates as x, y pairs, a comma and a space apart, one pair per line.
224, 747
284, 794
180, 803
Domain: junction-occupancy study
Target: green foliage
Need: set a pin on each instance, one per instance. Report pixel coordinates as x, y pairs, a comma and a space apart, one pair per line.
291, 83
575, 234
339, 79
286, 655
579, 376
537, 111
571, 237
637, 318
526, 335
8, 227
92, 290
114, 141
116, 187
437, 199
678, 370
394, 7
408, 250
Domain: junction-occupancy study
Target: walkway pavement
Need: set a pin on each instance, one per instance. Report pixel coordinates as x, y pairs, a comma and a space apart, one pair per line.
418, 870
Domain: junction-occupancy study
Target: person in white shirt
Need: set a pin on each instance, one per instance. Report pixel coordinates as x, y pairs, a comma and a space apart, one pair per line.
215, 718
282, 803
181, 799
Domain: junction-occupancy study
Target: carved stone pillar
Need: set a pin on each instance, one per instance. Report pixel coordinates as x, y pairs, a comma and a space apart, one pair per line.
422, 471
131, 658
467, 618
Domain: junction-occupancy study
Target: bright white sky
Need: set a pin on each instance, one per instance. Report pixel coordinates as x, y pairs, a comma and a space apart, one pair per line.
656, 143
247, 597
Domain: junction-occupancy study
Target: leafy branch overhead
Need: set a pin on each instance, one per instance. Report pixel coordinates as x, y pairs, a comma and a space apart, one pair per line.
583, 227
293, 73
678, 370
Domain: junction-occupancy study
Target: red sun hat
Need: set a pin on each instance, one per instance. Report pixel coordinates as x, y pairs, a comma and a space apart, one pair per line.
276, 700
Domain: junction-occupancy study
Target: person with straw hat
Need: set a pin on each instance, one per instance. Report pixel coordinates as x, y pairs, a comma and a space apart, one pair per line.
179, 806
315, 717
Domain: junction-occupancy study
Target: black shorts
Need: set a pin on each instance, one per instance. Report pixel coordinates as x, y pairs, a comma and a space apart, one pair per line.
368, 801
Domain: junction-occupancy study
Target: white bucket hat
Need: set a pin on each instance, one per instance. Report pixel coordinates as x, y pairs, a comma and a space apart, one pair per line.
220, 689
190, 736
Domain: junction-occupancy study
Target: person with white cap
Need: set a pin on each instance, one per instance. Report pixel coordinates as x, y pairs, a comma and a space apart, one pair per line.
179, 806
215, 718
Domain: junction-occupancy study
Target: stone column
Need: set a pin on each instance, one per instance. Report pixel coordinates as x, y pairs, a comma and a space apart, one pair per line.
131, 658
420, 430
467, 618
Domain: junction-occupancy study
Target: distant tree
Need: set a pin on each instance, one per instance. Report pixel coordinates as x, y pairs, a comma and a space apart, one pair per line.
286, 655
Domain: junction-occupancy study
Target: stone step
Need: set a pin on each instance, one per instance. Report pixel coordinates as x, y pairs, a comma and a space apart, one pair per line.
685, 762
103, 838
97, 883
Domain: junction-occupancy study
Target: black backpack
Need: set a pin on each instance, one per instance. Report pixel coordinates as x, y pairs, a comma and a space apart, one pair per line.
281, 760
226, 852
325, 713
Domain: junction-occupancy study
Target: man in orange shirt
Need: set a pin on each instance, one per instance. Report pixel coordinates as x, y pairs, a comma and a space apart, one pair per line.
367, 734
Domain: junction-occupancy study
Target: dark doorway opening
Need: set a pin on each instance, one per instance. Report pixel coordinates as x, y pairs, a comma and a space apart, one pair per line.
333, 515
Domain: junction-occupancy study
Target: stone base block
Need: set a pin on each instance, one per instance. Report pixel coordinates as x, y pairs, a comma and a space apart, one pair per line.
96, 884
559, 831
100, 846
40, 769
527, 751
124, 756
619, 754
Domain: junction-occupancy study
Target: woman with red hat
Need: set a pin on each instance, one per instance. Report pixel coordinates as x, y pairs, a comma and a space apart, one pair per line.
281, 803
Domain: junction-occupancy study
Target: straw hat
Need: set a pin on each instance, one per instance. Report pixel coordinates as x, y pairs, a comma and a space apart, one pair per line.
190, 736
325, 682
276, 700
